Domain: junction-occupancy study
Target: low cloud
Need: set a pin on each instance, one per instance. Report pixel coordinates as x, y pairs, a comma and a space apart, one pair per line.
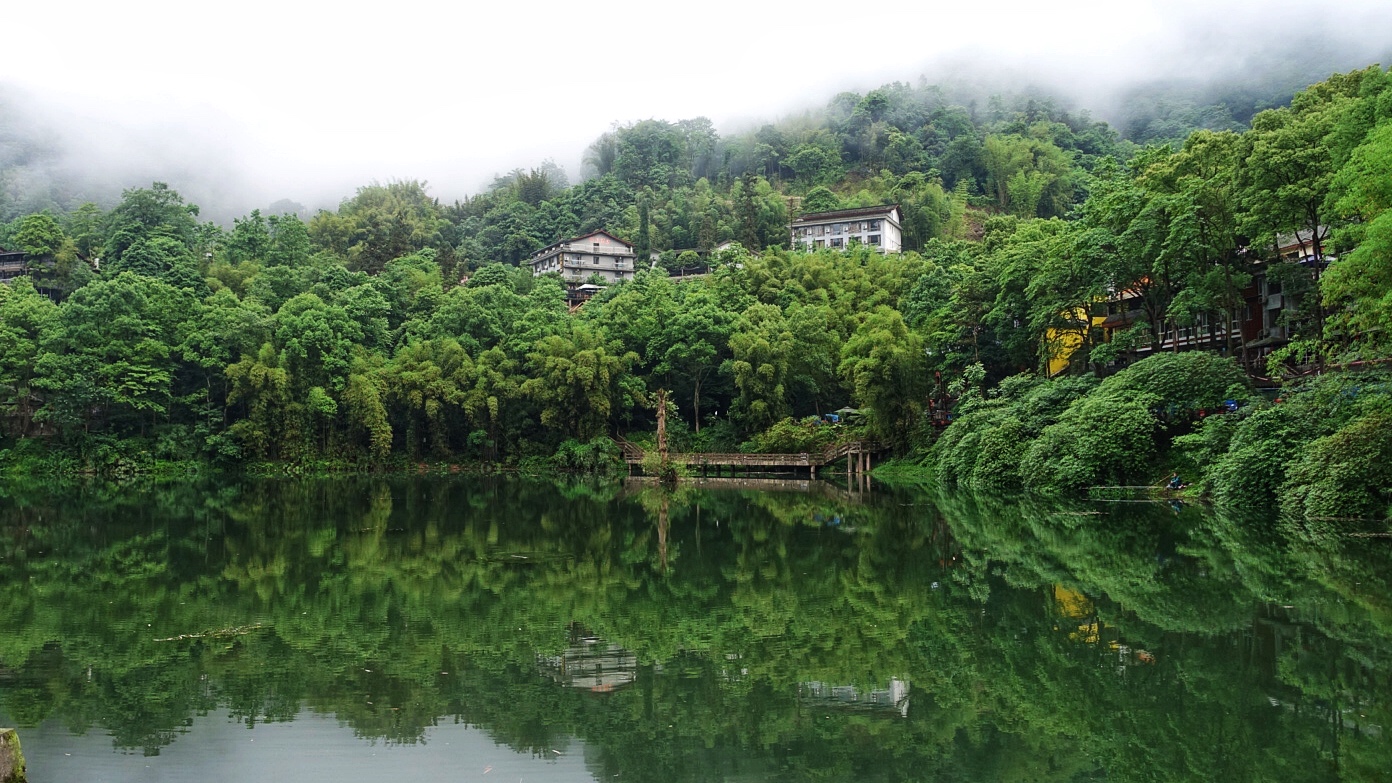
243, 106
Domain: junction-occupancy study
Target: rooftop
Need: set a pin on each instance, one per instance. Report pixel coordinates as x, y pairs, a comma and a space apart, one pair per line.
555, 245
846, 214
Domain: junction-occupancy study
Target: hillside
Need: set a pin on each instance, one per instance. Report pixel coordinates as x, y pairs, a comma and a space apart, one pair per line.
1037, 242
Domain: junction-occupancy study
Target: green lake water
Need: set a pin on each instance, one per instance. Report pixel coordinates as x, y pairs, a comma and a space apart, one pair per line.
460, 628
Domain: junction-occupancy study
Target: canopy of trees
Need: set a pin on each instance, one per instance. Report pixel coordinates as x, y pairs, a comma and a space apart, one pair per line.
354, 335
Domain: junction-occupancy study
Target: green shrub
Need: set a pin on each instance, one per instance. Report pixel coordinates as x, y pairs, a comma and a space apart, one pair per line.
717, 437
1270, 441
598, 454
1100, 439
791, 436
1195, 454
1255, 463
998, 456
1182, 382
1346, 474
1110, 435
953, 457
984, 445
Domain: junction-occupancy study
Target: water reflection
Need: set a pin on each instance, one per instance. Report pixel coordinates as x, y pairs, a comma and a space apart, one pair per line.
712, 633
591, 664
894, 697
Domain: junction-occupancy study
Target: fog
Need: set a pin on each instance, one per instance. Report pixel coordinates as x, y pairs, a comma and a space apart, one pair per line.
239, 105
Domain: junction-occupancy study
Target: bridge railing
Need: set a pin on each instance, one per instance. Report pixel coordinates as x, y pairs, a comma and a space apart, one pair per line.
633, 453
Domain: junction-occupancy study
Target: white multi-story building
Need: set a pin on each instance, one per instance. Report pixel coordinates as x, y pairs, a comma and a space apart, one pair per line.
577, 259
876, 227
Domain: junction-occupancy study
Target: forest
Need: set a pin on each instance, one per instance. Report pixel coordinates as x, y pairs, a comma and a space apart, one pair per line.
397, 329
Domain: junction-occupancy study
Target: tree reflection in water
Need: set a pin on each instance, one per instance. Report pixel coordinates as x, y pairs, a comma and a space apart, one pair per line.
708, 634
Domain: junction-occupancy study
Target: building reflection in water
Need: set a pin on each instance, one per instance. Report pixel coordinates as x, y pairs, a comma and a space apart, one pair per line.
895, 697
590, 663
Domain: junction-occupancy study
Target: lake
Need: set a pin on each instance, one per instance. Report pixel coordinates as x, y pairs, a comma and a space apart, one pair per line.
466, 628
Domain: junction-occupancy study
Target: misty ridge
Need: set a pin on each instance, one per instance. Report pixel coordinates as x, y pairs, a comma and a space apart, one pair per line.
55, 157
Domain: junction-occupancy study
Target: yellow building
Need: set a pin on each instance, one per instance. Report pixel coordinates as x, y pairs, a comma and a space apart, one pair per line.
1063, 343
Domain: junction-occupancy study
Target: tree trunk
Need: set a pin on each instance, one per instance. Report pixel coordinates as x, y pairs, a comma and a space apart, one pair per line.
662, 425
696, 404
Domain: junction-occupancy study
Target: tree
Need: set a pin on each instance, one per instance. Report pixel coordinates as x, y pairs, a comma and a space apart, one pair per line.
85, 225
28, 322
493, 390
1358, 288
426, 381
1291, 157
579, 380
163, 258
364, 403
223, 330
642, 248
761, 212
649, 154
54, 263
1062, 292
412, 286
147, 213
316, 341
883, 362
113, 359
691, 346
39, 236
270, 426
250, 239
819, 199
289, 241
814, 164
380, 223
1028, 174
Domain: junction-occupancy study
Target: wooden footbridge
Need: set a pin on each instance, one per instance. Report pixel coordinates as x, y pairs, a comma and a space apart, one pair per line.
857, 453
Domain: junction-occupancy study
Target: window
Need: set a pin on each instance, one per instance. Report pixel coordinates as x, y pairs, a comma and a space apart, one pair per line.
874, 225
820, 243
873, 239
596, 260
836, 242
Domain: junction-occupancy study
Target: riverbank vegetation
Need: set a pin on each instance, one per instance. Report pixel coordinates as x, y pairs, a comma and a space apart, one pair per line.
397, 329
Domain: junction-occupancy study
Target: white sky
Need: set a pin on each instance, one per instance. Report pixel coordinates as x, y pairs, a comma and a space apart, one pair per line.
308, 100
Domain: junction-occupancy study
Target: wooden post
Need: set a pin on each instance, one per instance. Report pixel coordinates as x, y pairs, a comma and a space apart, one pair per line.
11, 759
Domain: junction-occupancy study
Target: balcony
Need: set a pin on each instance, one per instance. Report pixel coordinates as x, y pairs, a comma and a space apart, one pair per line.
603, 250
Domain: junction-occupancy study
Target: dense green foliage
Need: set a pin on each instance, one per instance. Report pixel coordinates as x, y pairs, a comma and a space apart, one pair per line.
1321, 449
397, 328
1069, 434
